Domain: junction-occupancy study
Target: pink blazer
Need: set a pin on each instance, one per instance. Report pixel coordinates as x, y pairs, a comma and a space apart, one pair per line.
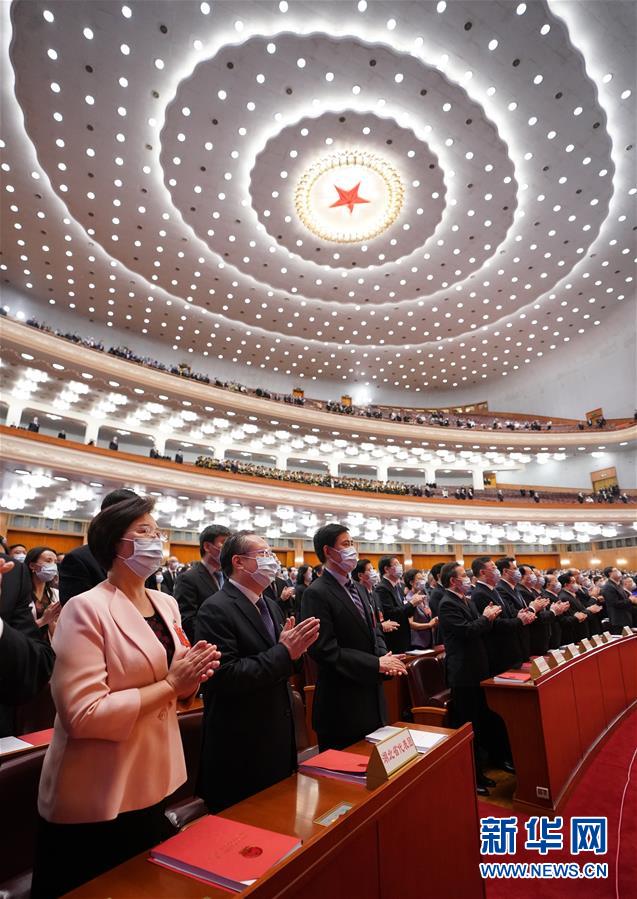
106, 758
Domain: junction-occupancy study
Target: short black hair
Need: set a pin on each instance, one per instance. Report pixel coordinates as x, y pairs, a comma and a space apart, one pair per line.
34, 554
111, 523
410, 576
15, 546
210, 534
385, 563
525, 569
606, 571
300, 574
447, 572
565, 578
327, 536
478, 565
505, 563
116, 496
235, 545
435, 570
361, 565
317, 571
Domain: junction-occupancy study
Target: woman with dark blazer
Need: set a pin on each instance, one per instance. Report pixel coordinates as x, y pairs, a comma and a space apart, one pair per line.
303, 580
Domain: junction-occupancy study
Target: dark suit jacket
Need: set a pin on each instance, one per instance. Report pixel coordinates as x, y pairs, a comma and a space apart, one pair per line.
79, 572
540, 629
516, 602
503, 640
348, 697
573, 630
248, 728
618, 607
394, 609
556, 638
192, 587
463, 628
435, 598
168, 585
26, 661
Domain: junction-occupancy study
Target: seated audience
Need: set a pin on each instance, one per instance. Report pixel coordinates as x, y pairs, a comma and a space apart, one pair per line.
122, 666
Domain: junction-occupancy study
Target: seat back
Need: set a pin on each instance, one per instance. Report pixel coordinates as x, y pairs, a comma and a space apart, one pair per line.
19, 782
425, 678
190, 729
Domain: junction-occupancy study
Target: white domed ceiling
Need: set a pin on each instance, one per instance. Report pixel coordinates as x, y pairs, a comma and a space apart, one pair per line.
412, 194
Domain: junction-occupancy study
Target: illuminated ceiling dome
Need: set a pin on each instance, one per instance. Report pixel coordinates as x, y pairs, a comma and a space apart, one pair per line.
159, 162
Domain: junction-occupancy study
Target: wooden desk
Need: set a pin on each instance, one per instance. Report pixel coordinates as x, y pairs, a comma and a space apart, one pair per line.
555, 724
388, 845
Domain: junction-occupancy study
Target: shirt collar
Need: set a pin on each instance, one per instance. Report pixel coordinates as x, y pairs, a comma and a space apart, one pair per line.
342, 579
249, 594
213, 571
484, 584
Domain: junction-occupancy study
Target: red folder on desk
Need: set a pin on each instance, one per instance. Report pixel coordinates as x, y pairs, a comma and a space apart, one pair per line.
38, 737
520, 677
227, 853
340, 765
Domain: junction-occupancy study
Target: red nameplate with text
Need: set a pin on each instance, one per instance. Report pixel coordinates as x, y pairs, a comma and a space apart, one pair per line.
227, 853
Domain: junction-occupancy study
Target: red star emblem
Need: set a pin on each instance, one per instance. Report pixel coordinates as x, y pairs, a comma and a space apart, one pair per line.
348, 198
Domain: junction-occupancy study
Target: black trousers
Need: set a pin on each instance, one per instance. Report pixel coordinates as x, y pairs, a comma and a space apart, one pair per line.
68, 855
490, 742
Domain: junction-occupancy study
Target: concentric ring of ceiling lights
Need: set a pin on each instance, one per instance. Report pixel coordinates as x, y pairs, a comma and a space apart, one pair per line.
368, 180
504, 100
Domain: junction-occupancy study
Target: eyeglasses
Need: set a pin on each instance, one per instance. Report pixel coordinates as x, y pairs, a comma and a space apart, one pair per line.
146, 533
259, 554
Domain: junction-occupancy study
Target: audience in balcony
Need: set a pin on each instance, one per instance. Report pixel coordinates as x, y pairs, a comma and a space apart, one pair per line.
480, 420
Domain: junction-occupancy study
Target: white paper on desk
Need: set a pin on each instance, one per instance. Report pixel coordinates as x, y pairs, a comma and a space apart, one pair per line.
423, 739
12, 744
417, 652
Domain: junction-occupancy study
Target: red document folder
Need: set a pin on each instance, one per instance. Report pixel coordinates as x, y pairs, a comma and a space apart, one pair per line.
38, 737
520, 677
227, 853
340, 765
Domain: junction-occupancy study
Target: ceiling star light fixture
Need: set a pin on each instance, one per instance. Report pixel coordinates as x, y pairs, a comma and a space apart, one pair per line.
350, 196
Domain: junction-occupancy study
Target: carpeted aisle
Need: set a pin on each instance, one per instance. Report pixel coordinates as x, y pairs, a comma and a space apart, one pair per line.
599, 793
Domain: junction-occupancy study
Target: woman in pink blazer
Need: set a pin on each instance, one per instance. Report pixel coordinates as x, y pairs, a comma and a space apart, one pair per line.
123, 664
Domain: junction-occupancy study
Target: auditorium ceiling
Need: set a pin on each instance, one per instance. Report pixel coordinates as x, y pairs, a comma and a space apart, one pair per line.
414, 194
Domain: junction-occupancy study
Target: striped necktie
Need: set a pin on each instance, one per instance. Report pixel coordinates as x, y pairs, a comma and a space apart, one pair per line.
353, 592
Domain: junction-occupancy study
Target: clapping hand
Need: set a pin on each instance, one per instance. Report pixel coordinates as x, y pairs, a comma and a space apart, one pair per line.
195, 667
391, 665
298, 637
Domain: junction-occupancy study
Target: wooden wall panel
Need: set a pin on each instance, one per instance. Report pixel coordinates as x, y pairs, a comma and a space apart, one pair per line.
185, 552
426, 561
61, 543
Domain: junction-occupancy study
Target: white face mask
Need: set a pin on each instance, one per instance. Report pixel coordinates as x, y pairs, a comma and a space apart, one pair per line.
159, 578
465, 586
266, 570
146, 557
215, 553
349, 558
47, 572
396, 570
374, 578
19, 557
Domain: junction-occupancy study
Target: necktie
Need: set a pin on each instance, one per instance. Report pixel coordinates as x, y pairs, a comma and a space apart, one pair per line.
266, 618
353, 592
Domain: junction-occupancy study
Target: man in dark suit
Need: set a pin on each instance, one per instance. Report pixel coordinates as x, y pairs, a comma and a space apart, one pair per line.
170, 573
389, 594
26, 661
202, 579
435, 597
351, 658
561, 620
248, 729
507, 588
467, 662
577, 624
79, 570
620, 607
594, 610
503, 640
540, 628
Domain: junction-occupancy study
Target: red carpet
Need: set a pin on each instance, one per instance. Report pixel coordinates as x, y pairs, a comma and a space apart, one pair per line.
599, 793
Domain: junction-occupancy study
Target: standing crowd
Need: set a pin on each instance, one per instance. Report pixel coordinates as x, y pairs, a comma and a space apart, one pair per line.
112, 639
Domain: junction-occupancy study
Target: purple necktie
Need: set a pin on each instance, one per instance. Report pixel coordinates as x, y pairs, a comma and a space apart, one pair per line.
266, 618
353, 592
